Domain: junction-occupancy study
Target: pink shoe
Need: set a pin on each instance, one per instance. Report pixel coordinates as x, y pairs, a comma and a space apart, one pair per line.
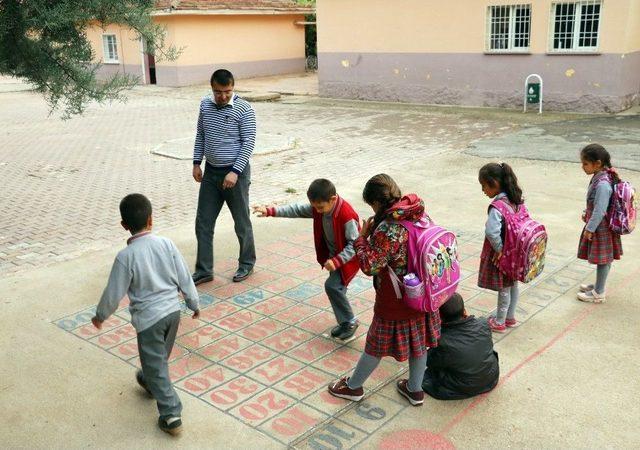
495, 326
511, 323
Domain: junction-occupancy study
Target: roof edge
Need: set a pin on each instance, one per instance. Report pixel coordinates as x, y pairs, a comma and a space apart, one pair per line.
230, 12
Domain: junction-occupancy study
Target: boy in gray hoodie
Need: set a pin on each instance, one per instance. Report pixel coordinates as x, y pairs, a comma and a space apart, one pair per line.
152, 272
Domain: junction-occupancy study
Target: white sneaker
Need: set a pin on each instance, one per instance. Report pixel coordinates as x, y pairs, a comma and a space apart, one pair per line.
591, 297
586, 287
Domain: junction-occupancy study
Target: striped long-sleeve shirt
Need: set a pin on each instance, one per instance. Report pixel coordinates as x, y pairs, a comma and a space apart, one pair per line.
225, 135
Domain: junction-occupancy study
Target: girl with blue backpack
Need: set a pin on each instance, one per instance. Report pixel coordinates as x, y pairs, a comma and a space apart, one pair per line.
607, 198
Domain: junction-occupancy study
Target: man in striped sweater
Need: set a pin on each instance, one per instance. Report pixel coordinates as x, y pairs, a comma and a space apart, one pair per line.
225, 138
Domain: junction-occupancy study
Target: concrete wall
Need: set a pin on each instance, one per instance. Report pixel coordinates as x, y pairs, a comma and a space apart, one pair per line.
129, 51
248, 45
431, 51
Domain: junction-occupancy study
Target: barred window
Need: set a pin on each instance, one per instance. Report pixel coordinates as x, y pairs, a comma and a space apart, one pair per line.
508, 28
575, 25
110, 48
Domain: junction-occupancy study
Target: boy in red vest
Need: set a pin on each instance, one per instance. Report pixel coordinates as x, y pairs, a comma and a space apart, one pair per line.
335, 228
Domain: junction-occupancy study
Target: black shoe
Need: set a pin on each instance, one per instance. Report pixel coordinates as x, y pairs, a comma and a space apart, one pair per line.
171, 425
143, 385
199, 279
348, 330
335, 331
242, 274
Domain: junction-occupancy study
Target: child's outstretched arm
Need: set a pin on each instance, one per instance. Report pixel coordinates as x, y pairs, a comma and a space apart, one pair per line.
185, 282
117, 287
293, 211
351, 233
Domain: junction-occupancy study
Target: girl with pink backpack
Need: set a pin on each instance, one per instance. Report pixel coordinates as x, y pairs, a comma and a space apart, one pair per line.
396, 329
499, 183
600, 241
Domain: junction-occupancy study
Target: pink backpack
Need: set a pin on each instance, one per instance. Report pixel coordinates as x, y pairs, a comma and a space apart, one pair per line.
432, 255
623, 209
525, 243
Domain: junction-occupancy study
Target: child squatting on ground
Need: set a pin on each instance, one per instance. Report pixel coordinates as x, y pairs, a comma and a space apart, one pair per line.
499, 183
152, 272
335, 228
464, 363
396, 330
598, 244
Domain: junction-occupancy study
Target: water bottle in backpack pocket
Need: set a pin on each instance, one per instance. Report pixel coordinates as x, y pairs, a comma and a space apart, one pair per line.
525, 242
432, 265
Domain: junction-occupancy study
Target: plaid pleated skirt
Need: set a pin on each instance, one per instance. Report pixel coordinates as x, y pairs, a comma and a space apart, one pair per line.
604, 247
403, 339
489, 276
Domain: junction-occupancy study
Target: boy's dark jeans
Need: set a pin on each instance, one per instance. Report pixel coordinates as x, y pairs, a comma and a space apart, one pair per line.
210, 201
154, 346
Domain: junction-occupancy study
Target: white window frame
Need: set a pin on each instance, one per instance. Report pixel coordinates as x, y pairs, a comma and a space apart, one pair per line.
577, 23
107, 59
511, 47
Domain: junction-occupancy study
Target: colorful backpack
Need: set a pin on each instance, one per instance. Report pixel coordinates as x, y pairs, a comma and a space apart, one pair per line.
623, 209
432, 255
525, 243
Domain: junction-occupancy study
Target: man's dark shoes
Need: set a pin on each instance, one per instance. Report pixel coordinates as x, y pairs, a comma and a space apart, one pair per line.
201, 278
171, 425
335, 331
141, 382
242, 274
347, 330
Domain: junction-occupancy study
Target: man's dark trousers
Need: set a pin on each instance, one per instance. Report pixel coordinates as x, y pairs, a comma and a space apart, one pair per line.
210, 201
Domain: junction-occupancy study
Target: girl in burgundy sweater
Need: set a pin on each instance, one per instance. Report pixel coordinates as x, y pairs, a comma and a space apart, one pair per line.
396, 330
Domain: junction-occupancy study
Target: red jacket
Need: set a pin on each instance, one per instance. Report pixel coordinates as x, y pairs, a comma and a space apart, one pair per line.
342, 214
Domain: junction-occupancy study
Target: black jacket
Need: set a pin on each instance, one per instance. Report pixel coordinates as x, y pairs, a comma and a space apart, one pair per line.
464, 363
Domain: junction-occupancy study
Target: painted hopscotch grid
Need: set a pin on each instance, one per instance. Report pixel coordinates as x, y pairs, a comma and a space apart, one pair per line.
355, 425
258, 353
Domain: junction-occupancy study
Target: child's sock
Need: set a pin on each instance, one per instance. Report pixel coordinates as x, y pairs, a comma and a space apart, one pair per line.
514, 294
417, 367
602, 272
365, 367
504, 299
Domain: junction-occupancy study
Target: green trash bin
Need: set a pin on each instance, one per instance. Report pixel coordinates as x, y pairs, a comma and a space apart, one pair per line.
533, 93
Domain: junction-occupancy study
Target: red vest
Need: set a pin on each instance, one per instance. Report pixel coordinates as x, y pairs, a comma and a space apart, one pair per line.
342, 213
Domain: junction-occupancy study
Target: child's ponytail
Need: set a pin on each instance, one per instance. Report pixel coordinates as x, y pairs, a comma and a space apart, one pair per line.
510, 185
596, 152
503, 176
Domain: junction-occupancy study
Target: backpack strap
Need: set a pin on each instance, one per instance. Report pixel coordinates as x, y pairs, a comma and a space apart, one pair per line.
395, 282
503, 206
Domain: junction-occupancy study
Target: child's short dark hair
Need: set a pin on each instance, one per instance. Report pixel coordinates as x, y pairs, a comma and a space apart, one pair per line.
135, 210
452, 309
222, 77
321, 190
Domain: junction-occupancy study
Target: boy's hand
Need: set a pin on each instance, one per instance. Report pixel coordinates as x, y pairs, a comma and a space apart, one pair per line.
230, 180
330, 266
260, 211
588, 235
96, 322
197, 173
496, 258
196, 314
365, 231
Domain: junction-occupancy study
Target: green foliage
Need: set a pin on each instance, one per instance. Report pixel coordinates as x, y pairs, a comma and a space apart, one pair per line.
44, 42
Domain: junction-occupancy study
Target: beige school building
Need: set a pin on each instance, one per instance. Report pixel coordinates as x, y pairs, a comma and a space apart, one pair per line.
249, 37
479, 52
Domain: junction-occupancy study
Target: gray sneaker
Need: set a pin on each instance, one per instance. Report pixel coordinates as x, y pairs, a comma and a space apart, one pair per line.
347, 330
586, 287
591, 297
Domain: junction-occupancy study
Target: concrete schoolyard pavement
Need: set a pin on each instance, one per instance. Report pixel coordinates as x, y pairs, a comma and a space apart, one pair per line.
253, 372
